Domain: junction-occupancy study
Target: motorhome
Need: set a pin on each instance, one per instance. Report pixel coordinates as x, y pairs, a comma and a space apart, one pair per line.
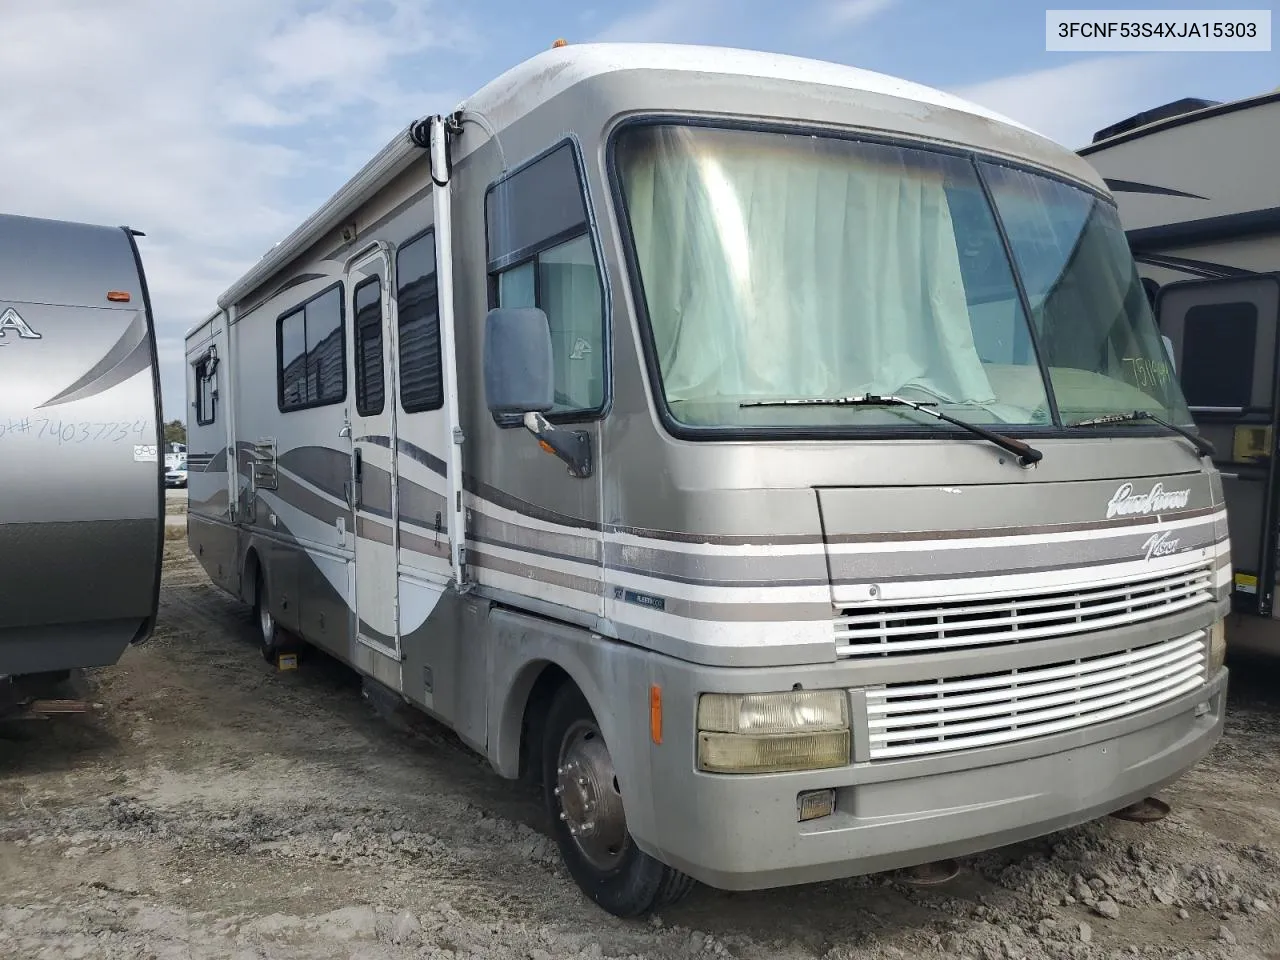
724, 440
1196, 187
175, 454
81, 518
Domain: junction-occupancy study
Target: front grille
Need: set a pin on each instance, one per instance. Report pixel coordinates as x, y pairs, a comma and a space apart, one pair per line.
958, 713
926, 625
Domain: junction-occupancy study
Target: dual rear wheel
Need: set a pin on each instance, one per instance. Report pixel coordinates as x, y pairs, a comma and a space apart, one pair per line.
272, 640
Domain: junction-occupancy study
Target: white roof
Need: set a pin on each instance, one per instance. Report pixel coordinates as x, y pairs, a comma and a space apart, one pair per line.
512, 94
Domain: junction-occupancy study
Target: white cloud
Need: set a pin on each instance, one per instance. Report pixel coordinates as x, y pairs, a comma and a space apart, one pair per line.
852, 13
208, 126
1070, 102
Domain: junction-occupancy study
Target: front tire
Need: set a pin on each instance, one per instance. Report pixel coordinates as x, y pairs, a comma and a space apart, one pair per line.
584, 799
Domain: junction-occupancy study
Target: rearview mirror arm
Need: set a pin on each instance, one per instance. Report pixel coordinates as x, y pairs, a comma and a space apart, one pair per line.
571, 446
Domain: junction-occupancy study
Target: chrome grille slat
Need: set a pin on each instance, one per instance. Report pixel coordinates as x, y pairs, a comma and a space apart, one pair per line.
1065, 679
915, 719
923, 627
1153, 587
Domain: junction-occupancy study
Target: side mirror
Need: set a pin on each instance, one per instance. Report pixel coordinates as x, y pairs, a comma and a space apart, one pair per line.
1168, 348
519, 380
519, 372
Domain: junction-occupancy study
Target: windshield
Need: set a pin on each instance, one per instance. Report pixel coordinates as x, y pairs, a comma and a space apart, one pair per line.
783, 266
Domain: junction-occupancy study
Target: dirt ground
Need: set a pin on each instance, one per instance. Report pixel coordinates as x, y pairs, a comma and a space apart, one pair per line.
214, 807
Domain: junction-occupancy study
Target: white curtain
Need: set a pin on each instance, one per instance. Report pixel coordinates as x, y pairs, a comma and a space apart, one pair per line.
778, 267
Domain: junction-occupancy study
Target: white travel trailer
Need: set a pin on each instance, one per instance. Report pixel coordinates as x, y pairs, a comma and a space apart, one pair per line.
1199, 198
81, 515
825, 556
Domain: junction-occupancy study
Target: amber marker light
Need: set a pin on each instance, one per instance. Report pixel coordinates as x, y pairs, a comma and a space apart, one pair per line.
655, 713
118, 296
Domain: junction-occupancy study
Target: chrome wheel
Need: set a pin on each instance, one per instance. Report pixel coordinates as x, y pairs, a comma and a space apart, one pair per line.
267, 624
588, 796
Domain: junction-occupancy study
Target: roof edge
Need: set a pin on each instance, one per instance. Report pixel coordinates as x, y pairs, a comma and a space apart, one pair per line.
202, 324
1181, 119
401, 151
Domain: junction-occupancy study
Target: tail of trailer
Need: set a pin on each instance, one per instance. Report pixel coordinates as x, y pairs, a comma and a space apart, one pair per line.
81, 473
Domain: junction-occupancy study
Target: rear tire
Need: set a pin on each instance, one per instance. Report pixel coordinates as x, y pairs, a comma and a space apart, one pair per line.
269, 635
584, 800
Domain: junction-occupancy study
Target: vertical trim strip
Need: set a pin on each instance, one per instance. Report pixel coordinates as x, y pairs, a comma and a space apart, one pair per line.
148, 626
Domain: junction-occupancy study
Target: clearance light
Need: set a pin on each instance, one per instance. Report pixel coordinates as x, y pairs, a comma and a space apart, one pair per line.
773, 732
1217, 646
655, 714
118, 296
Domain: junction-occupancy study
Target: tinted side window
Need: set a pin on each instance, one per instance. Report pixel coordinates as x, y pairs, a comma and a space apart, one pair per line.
206, 399
311, 359
293, 360
370, 383
540, 255
1217, 354
418, 324
324, 346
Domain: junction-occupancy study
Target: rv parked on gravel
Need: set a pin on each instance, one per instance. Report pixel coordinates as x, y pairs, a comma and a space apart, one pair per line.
1199, 198
740, 445
81, 515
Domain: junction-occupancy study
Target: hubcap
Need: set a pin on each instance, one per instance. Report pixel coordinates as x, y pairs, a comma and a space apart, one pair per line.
267, 624
589, 799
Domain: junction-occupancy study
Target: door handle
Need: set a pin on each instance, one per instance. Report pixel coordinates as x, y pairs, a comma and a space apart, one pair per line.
358, 477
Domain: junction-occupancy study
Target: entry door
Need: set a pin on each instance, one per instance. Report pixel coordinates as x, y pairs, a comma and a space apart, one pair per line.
373, 465
1224, 336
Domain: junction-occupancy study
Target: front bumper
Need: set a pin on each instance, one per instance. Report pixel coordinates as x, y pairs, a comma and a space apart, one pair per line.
741, 832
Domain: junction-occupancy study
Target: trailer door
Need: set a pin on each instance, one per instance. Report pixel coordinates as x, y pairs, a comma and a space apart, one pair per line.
1224, 336
373, 462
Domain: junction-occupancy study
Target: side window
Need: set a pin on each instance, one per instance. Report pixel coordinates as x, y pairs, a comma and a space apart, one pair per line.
540, 255
370, 381
418, 325
1218, 348
311, 357
206, 392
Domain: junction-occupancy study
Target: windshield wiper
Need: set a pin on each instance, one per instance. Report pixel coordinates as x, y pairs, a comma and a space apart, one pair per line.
1202, 445
1026, 454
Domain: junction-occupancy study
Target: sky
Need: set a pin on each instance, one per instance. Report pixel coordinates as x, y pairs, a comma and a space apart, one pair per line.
216, 127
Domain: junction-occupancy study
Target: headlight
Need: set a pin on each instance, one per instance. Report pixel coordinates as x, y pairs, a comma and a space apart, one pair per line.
773, 732
1217, 647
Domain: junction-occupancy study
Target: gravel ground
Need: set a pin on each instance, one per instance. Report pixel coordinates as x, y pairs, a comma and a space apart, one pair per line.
212, 807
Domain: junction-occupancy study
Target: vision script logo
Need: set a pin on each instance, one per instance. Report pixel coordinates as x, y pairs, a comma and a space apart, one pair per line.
11, 320
1125, 503
1161, 545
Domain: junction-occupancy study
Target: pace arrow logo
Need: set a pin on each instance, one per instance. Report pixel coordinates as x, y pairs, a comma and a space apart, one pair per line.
11, 320
1125, 503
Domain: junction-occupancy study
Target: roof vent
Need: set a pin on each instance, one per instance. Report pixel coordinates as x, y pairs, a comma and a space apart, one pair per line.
1171, 109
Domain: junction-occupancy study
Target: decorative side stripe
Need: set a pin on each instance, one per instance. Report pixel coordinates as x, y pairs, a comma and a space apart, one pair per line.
128, 356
